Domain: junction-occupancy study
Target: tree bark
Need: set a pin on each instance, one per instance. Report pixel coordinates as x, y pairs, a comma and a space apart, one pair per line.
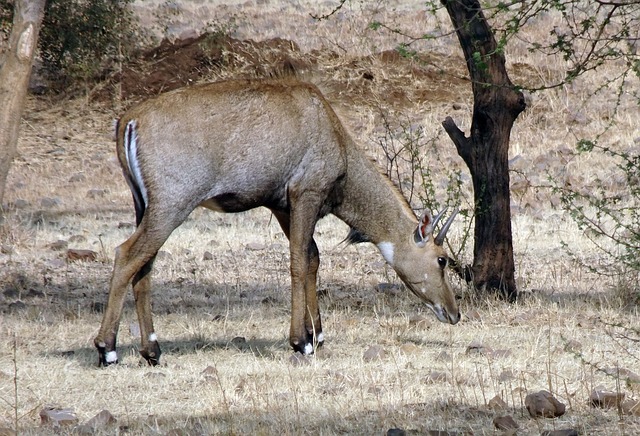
497, 104
14, 79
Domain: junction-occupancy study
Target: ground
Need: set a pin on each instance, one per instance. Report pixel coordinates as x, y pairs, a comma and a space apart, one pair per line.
221, 298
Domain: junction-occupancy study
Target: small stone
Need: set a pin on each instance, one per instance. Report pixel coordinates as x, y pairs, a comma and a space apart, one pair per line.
396, 432
436, 377
601, 397
409, 348
97, 307
505, 423
7, 249
207, 255
629, 377
96, 193
255, 246
473, 315
420, 321
102, 420
392, 289
78, 177
631, 407
443, 356
506, 375
544, 404
59, 245
48, 202
80, 255
19, 203
561, 432
78, 239
476, 347
497, 403
57, 417
374, 352
500, 354
239, 341
299, 359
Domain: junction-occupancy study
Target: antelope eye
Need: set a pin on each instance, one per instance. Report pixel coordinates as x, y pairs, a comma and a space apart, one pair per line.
442, 261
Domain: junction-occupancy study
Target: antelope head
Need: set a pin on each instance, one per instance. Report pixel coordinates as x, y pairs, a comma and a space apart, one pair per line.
421, 264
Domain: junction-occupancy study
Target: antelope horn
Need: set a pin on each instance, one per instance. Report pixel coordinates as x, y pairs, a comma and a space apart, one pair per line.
437, 218
443, 231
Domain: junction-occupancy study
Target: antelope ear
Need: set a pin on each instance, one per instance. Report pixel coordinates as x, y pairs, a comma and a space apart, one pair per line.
425, 228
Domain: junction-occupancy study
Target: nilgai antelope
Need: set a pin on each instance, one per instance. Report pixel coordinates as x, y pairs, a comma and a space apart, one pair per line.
233, 146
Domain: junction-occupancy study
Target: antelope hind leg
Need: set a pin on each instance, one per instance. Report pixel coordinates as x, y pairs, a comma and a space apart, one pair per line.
150, 349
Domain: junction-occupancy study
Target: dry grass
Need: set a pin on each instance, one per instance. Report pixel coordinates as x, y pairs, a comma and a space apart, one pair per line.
66, 185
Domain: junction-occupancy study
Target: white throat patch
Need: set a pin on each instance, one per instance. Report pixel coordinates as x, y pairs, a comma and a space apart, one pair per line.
386, 249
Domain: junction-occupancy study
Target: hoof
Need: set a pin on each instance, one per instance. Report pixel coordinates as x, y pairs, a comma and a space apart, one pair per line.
308, 347
106, 358
152, 357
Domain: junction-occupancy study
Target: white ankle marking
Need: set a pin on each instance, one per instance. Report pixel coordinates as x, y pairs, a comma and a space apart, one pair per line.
386, 249
320, 337
153, 337
111, 357
308, 349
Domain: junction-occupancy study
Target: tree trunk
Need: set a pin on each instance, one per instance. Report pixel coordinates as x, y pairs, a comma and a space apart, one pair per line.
14, 79
497, 104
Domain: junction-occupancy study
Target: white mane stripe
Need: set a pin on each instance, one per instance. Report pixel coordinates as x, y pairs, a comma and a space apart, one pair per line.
131, 152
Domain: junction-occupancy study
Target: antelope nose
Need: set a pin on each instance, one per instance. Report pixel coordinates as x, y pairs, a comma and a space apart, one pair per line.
453, 317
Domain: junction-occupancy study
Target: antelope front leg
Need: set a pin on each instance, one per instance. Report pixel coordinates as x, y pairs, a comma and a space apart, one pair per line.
312, 314
304, 263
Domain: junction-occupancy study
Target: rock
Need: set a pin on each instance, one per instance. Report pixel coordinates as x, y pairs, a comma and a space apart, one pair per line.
631, 407
96, 193
59, 245
473, 315
420, 321
543, 404
207, 255
77, 177
392, 289
497, 403
562, 432
443, 356
55, 417
374, 352
210, 374
80, 255
77, 239
255, 246
97, 307
506, 375
476, 347
396, 432
299, 359
505, 423
240, 342
48, 202
102, 420
629, 377
435, 377
409, 348
600, 397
